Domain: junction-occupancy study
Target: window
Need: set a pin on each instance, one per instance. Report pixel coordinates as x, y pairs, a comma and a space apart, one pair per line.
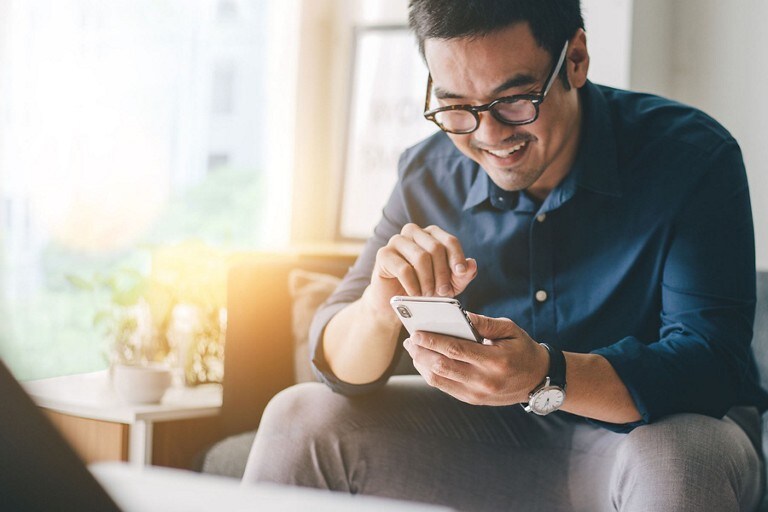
223, 88
226, 10
217, 161
108, 135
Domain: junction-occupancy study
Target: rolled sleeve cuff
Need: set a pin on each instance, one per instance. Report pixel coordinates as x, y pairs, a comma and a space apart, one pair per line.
628, 360
320, 365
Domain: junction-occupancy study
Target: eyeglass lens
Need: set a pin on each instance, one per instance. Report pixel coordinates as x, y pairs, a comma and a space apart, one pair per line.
456, 120
513, 112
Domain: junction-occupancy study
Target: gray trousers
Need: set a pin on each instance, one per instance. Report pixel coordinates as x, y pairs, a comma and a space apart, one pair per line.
410, 441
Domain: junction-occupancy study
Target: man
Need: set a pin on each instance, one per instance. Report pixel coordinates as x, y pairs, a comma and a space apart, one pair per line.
604, 238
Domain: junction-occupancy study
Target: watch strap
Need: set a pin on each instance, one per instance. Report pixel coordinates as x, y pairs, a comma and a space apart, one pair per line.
556, 371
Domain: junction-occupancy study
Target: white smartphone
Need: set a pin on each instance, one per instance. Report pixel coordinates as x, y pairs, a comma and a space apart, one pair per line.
439, 315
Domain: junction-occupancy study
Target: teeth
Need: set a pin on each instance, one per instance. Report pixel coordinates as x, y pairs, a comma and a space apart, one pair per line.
504, 153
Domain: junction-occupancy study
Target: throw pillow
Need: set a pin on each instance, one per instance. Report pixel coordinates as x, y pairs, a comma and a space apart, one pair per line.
308, 291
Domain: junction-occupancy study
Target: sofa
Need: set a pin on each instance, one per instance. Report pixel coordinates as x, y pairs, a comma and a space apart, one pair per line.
261, 356
270, 301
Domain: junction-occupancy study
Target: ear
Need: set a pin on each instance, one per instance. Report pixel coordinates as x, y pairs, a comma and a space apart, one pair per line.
577, 59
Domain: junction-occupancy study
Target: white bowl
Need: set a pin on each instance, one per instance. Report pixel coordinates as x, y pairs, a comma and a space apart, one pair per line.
141, 384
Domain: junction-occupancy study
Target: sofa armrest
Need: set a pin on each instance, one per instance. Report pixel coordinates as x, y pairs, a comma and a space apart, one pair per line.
258, 354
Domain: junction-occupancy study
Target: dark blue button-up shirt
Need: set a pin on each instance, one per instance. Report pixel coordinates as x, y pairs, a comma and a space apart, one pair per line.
644, 253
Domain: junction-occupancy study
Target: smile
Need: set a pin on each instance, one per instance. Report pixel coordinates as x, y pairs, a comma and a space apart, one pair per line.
504, 153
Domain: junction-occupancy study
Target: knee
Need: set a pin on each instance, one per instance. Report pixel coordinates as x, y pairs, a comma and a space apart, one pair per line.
295, 422
296, 406
308, 409
685, 458
685, 441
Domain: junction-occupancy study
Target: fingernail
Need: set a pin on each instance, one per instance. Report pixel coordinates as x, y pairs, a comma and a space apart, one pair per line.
444, 290
460, 268
407, 342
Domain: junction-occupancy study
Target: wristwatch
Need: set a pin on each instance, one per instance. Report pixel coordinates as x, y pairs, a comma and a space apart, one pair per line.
548, 396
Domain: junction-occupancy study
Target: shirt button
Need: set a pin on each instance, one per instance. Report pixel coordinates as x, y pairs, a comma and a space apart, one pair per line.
542, 217
541, 295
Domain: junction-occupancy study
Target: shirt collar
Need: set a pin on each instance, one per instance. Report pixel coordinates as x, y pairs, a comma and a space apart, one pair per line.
480, 189
484, 189
595, 167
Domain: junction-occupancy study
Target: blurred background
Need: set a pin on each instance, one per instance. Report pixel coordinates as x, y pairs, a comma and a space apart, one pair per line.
146, 144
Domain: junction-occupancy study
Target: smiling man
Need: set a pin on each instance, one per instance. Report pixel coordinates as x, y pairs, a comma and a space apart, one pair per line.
516, 84
603, 241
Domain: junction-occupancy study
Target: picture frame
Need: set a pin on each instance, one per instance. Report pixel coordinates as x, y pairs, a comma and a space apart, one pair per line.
387, 86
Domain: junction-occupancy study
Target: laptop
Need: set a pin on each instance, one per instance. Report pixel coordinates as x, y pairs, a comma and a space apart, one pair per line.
40, 471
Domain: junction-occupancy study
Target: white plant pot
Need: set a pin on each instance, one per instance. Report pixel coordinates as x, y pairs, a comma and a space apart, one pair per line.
141, 384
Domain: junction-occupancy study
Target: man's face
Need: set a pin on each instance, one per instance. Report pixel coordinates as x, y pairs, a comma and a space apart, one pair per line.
504, 63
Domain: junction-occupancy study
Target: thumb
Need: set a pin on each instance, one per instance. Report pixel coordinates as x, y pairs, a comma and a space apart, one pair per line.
495, 328
459, 281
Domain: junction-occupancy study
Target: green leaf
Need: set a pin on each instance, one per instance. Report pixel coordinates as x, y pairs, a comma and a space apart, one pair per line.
128, 297
101, 317
131, 287
79, 282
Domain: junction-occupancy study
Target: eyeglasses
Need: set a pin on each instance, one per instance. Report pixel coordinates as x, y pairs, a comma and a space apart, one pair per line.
513, 110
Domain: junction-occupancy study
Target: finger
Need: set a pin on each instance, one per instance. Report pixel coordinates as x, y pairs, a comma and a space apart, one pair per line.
457, 390
437, 364
419, 259
440, 265
456, 371
456, 258
451, 377
422, 358
393, 266
460, 281
495, 328
450, 347
463, 269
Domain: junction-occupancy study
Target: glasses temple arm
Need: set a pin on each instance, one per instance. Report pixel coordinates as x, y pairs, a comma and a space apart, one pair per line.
556, 69
429, 89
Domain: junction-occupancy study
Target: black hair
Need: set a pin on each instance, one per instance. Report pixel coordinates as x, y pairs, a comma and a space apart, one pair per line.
552, 22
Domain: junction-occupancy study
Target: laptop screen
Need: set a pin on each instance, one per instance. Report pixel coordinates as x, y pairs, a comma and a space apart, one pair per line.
38, 469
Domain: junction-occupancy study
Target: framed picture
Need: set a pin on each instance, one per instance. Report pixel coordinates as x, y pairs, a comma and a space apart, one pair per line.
388, 84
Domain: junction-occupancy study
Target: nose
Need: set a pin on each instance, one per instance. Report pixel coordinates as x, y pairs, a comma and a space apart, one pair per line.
490, 131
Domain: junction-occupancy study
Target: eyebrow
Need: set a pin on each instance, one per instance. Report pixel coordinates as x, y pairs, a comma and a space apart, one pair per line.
518, 80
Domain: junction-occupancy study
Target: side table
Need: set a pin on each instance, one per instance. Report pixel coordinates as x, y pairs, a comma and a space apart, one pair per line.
101, 427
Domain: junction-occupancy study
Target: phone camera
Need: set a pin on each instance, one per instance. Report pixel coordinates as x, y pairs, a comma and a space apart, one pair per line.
403, 311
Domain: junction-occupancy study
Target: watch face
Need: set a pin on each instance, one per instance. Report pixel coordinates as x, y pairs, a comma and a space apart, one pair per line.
547, 400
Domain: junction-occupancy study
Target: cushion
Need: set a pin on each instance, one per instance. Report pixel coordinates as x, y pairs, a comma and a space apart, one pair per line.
229, 456
760, 349
760, 339
308, 291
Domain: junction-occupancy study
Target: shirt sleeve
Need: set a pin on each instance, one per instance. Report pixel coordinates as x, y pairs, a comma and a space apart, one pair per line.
394, 217
701, 361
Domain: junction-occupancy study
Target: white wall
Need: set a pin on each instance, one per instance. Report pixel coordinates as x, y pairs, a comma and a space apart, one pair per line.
609, 38
709, 54
652, 34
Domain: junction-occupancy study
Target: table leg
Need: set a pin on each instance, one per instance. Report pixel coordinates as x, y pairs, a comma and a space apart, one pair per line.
140, 443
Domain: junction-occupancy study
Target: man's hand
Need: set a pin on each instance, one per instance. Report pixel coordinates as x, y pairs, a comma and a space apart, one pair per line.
501, 371
360, 340
418, 261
